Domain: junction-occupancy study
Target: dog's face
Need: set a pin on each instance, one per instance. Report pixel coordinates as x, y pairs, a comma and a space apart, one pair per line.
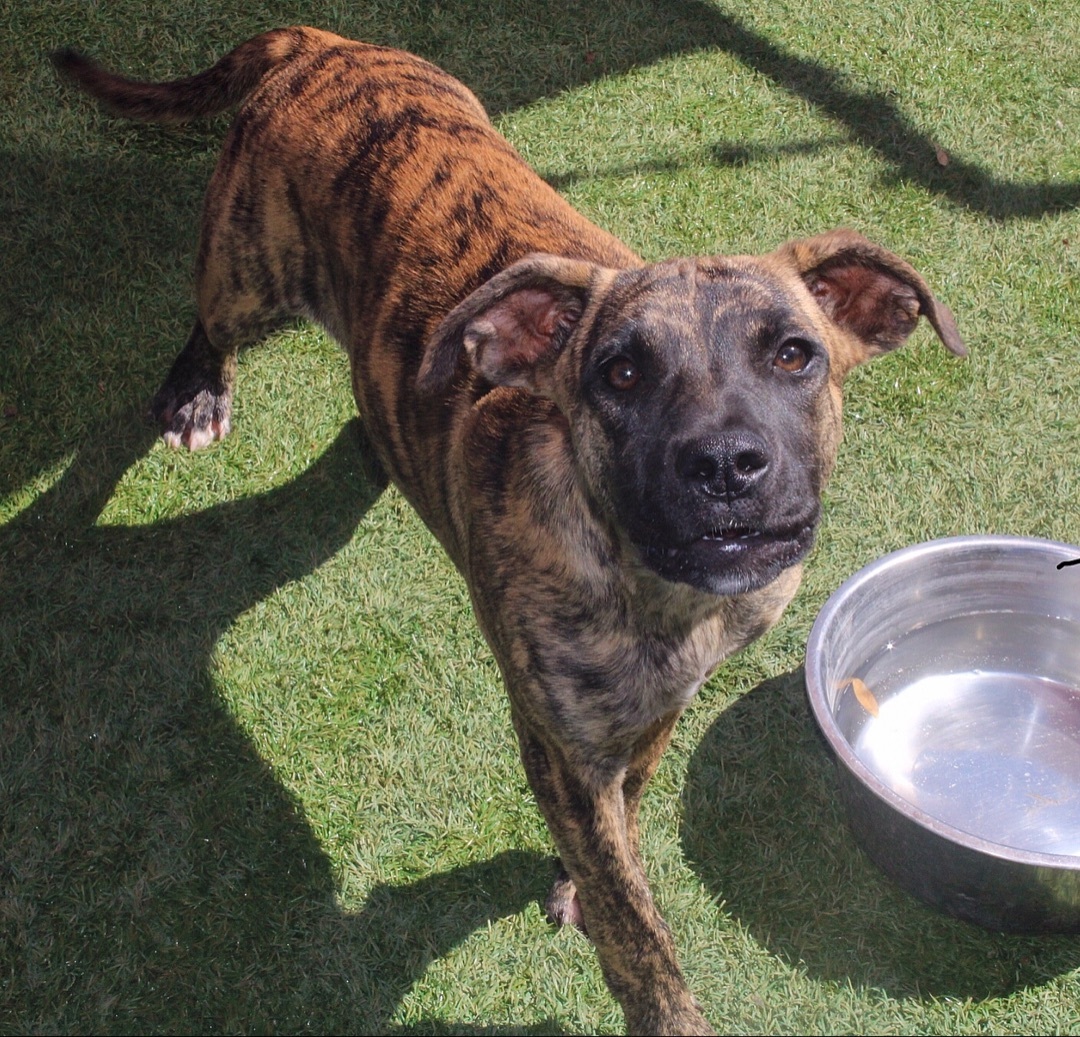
702, 396
703, 390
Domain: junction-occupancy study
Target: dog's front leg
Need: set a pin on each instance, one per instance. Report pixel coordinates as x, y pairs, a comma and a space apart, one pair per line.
562, 906
591, 808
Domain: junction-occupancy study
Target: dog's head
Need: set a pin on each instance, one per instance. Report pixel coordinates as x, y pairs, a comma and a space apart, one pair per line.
702, 395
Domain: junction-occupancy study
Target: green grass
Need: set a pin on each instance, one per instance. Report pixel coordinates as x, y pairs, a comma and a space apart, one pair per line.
256, 769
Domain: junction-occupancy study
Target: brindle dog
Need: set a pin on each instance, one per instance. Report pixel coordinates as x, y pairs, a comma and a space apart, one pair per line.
624, 460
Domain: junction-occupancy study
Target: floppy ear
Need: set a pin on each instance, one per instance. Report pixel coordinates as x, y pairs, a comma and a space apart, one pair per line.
514, 326
869, 291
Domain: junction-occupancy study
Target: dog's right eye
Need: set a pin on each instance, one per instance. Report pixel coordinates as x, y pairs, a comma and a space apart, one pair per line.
794, 356
622, 373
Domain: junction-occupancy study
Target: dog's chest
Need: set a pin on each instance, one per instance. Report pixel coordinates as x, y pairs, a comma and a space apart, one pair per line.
611, 683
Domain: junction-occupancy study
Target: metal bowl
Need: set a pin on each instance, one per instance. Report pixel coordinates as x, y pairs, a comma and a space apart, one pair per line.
946, 679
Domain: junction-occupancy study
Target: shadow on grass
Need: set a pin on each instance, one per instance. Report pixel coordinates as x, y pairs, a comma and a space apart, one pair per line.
732, 154
872, 119
96, 283
765, 830
615, 37
146, 846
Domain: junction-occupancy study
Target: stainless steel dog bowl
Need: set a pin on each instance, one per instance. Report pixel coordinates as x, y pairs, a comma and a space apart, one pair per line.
946, 679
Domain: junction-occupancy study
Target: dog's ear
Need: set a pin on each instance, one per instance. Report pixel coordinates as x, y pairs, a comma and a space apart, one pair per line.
869, 291
513, 326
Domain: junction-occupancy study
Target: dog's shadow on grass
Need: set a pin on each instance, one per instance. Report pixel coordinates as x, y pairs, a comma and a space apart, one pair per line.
765, 830
145, 842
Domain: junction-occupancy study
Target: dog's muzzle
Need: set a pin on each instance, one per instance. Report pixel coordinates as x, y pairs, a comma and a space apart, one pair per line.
724, 520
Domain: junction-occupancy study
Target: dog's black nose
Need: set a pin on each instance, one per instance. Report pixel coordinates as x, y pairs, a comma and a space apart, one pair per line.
723, 466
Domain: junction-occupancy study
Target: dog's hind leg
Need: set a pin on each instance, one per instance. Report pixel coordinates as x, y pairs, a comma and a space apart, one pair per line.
238, 304
254, 270
194, 404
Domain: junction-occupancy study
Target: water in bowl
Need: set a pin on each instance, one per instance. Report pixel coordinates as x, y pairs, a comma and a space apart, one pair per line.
978, 724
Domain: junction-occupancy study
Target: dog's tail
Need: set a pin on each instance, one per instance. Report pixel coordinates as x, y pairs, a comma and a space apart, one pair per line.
219, 88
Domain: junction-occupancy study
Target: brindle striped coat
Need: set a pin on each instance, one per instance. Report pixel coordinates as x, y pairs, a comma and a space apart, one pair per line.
624, 461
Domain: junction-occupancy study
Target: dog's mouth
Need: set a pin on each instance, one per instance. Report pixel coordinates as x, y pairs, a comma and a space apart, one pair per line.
732, 534
732, 539
731, 559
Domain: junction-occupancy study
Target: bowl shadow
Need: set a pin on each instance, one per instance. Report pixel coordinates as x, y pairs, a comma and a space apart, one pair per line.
765, 830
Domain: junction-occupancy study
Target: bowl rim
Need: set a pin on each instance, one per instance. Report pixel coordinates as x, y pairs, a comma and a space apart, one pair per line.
839, 744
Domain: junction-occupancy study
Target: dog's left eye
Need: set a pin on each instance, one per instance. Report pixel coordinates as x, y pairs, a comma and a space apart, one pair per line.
793, 356
622, 373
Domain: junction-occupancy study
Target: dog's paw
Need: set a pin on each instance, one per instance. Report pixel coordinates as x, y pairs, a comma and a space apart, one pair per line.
562, 905
192, 419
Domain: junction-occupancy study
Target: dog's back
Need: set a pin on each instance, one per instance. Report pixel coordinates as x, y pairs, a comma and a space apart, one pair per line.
365, 188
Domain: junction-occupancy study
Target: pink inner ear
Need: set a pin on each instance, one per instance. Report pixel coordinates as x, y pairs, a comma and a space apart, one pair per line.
525, 324
871, 303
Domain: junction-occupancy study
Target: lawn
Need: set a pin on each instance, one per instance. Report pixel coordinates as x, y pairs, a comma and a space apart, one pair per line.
257, 773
